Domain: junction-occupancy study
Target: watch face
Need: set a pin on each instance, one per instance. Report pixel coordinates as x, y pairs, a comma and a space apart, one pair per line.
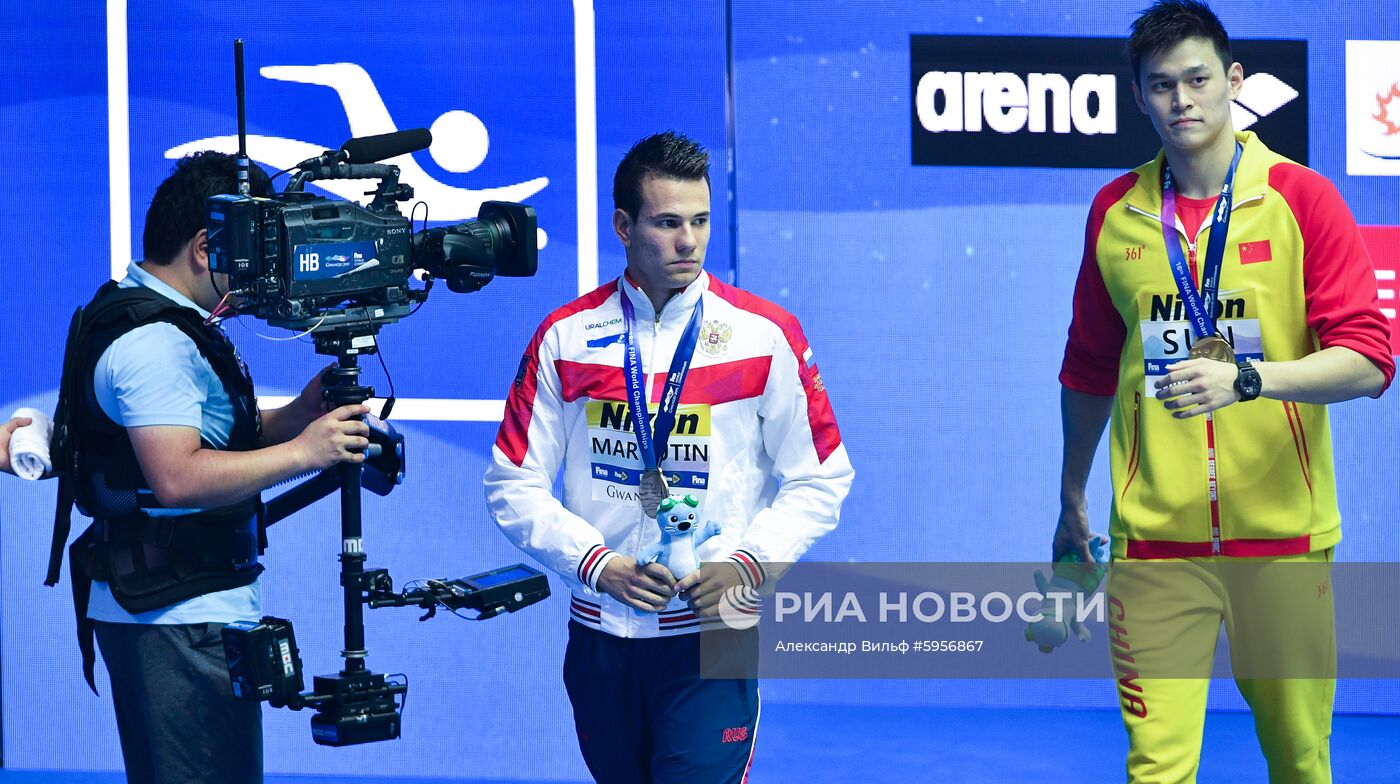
1248, 384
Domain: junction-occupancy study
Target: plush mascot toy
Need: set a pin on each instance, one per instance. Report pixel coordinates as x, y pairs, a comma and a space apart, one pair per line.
681, 535
1074, 582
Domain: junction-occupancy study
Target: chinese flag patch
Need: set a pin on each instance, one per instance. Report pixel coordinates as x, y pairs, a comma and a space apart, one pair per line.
1253, 252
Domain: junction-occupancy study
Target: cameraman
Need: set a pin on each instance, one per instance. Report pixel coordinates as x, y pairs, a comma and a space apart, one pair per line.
171, 455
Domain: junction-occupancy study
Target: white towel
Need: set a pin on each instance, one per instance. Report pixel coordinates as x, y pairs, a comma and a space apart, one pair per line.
29, 446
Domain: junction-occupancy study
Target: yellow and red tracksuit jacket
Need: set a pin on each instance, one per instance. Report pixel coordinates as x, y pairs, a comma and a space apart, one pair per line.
1295, 278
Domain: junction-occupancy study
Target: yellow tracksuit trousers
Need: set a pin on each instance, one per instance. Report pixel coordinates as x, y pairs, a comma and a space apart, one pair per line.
1164, 623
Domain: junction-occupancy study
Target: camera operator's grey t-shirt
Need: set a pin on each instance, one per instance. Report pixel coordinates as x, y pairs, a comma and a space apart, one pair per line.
155, 375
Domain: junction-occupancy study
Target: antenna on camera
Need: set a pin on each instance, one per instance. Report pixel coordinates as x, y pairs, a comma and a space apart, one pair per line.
243, 187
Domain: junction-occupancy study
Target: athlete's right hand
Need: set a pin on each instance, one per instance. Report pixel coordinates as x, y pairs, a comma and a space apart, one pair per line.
337, 437
646, 587
1072, 534
6, 430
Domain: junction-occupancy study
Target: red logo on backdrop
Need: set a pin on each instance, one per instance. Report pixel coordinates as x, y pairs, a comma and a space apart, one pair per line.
1383, 243
1383, 113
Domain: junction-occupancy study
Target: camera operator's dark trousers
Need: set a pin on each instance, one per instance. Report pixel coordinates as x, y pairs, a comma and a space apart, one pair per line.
645, 716
177, 716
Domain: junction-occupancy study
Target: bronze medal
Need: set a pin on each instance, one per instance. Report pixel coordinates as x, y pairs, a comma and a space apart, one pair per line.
652, 490
1213, 347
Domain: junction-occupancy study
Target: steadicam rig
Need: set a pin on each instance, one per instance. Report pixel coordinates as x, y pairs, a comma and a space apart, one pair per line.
341, 271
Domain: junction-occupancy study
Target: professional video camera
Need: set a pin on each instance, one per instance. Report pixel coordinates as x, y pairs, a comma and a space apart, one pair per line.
305, 262
339, 272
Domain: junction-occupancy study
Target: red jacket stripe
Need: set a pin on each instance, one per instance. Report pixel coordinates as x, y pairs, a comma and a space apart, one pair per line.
1265, 548
588, 562
1152, 549
592, 612
751, 564
513, 437
1294, 425
711, 384
825, 435
1342, 305
1097, 332
1232, 548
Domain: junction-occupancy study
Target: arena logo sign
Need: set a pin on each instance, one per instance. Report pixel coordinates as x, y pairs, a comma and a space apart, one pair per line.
1009, 104
1068, 102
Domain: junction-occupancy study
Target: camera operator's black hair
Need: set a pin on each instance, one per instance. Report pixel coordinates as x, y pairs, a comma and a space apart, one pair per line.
177, 210
667, 154
1169, 22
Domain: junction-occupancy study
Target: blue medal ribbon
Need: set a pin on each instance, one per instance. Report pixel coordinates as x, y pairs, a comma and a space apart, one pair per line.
653, 449
1200, 308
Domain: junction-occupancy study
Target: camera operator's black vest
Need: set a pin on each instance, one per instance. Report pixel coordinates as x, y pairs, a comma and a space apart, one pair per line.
147, 561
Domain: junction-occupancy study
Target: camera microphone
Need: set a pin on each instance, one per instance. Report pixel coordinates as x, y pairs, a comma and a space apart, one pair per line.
370, 149
327, 158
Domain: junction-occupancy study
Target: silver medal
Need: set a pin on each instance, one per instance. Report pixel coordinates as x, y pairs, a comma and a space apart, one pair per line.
652, 490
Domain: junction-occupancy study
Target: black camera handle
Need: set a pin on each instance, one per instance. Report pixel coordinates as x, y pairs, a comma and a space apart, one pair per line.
386, 196
333, 169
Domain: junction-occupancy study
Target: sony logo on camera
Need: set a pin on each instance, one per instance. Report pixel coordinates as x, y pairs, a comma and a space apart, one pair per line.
1068, 102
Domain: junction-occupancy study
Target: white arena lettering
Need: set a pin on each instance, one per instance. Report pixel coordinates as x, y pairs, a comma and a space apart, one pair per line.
1010, 104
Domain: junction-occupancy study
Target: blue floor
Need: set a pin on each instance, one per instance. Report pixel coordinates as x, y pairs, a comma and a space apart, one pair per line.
823, 745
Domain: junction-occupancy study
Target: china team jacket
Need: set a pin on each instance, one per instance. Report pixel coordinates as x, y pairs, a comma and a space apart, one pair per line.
754, 439
1296, 278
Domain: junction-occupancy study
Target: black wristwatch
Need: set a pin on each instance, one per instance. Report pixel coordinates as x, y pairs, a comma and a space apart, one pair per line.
1247, 383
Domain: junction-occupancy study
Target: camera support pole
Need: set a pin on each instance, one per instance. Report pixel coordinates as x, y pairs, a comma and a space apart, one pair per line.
355, 705
341, 387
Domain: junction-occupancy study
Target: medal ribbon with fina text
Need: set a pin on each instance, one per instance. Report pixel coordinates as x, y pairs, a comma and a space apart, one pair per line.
653, 448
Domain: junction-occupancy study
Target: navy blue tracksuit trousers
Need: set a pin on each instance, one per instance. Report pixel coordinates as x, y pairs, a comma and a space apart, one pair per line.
645, 716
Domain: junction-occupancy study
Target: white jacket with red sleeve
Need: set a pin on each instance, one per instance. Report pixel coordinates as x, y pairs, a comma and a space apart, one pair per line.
755, 440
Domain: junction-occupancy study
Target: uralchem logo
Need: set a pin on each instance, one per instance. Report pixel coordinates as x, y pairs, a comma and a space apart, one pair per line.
1261, 94
1373, 107
1009, 104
